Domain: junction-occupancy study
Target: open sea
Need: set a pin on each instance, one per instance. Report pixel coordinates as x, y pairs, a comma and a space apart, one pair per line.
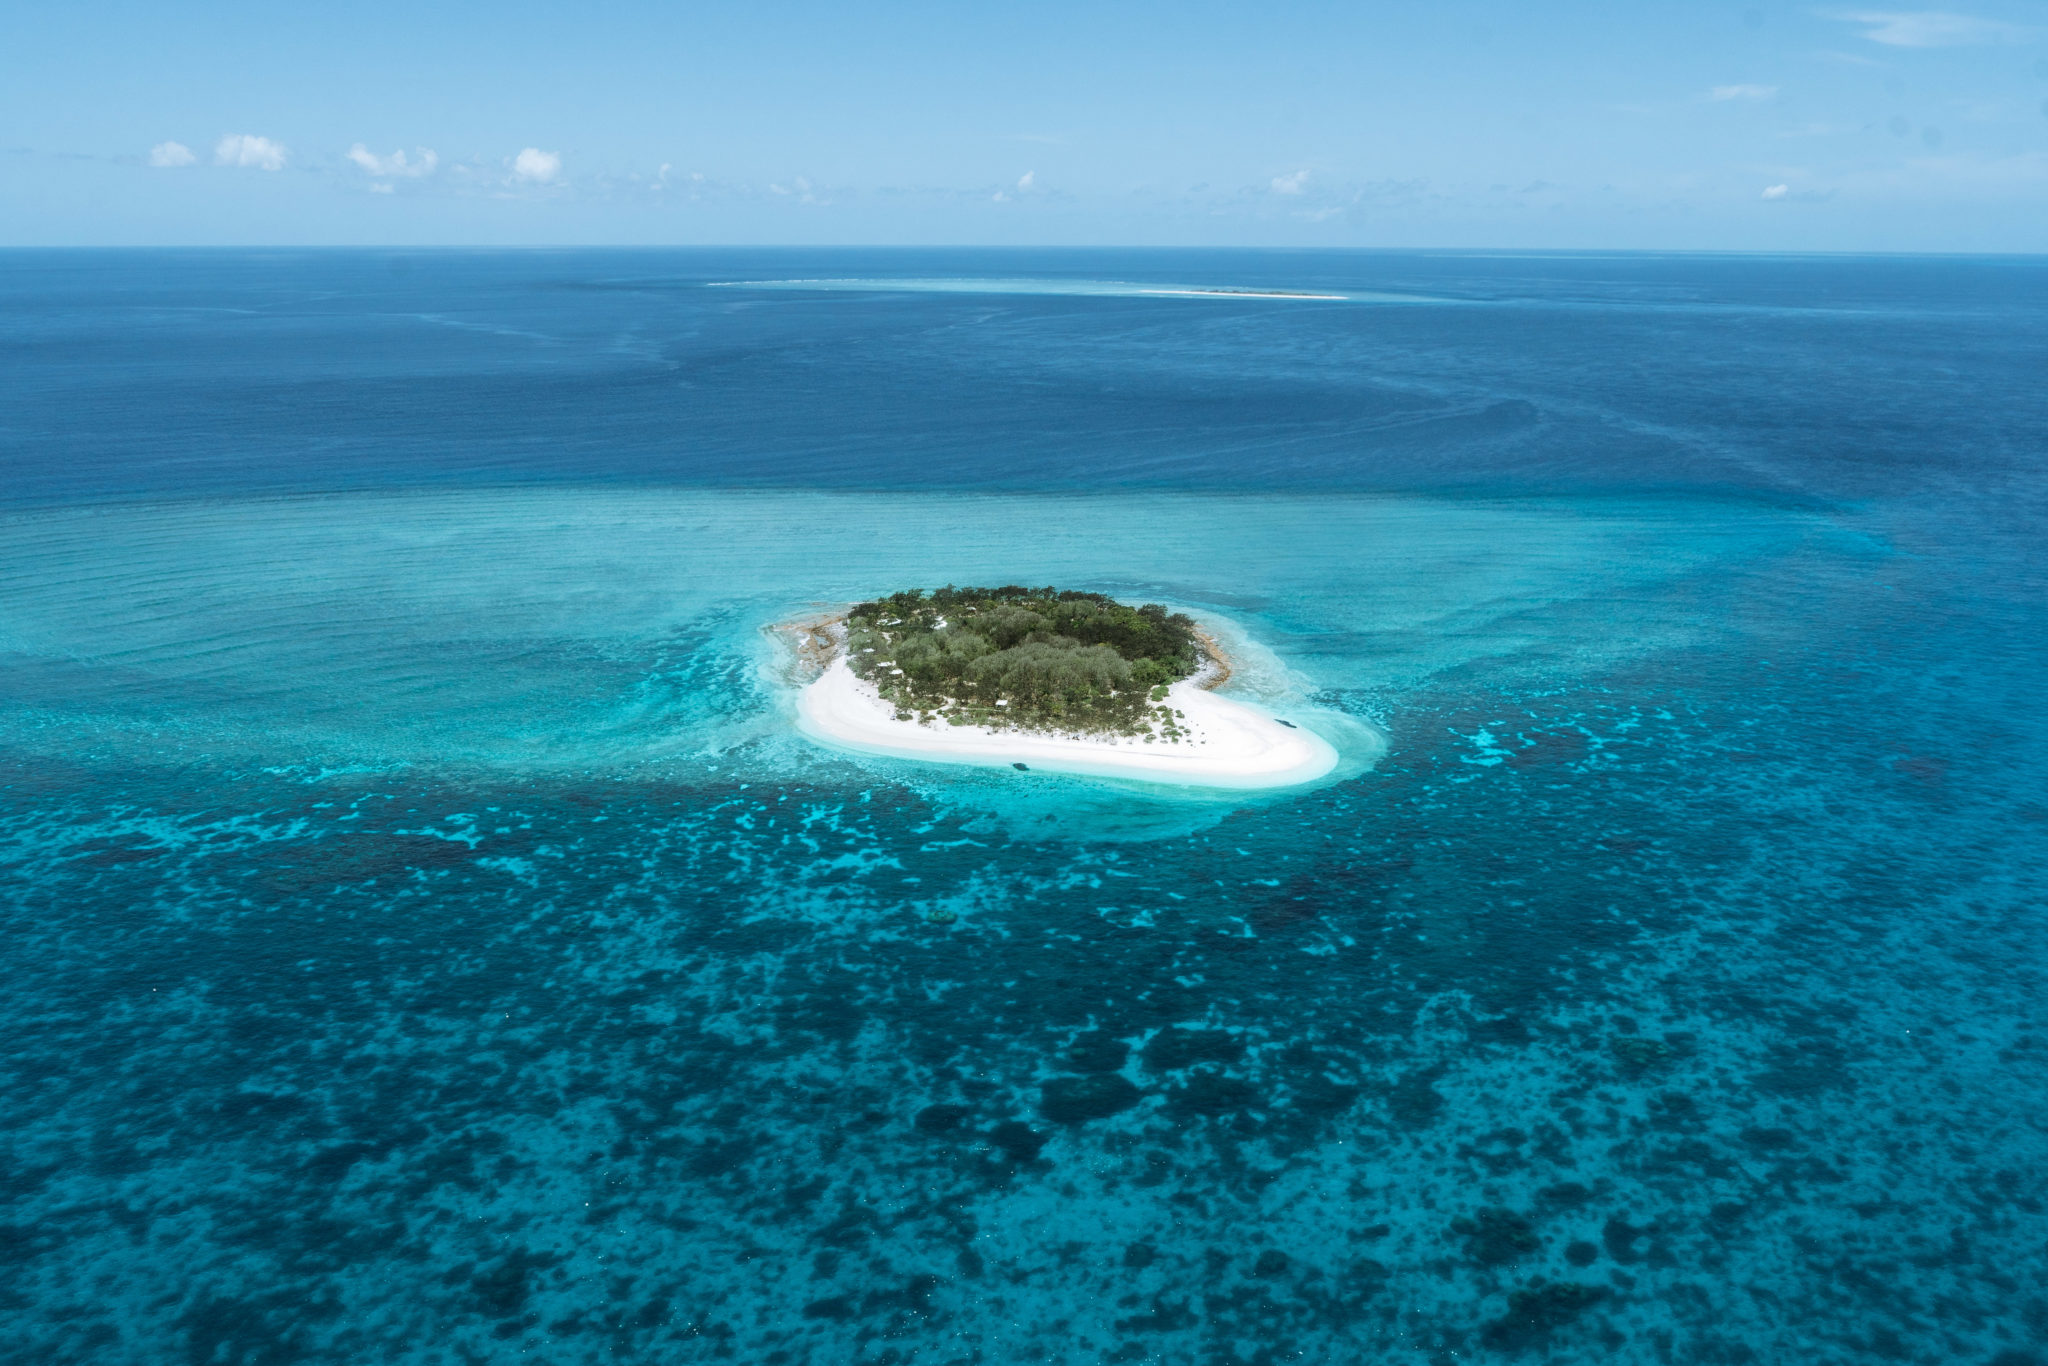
426, 940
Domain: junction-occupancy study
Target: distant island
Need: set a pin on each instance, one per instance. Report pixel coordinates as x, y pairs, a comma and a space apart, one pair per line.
1024, 659
1041, 678
1222, 293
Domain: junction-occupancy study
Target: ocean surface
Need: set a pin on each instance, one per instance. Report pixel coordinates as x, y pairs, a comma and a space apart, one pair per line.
426, 939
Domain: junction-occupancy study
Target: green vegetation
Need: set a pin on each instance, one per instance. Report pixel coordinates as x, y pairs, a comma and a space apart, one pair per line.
1024, 659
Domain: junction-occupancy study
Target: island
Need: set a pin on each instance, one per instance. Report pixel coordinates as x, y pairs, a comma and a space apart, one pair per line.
1043, 678
1243, 294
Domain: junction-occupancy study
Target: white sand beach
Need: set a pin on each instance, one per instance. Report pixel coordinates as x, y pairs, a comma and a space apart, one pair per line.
1229, 744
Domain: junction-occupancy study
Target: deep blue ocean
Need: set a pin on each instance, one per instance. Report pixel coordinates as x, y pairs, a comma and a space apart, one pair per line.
426, 939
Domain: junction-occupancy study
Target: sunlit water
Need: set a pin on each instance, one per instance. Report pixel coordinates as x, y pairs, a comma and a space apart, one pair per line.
428, 939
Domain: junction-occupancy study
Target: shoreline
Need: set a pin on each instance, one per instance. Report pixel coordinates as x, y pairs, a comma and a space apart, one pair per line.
1216, 672
1229, 744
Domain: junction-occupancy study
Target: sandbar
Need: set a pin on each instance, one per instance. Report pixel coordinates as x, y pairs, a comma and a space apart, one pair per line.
1228, 744
1239, 294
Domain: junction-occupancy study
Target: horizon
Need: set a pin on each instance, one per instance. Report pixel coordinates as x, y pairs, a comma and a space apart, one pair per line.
1772, 128
1075, 248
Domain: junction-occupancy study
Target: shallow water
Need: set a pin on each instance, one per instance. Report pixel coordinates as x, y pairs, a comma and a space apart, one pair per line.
429, 941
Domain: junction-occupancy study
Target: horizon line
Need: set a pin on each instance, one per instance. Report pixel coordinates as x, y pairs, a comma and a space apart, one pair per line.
1288, 249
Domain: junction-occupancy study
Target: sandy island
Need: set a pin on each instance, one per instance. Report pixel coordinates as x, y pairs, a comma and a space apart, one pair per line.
1241, 294
1227, 744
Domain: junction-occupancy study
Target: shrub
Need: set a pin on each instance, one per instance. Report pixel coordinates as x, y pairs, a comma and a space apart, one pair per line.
1024, 658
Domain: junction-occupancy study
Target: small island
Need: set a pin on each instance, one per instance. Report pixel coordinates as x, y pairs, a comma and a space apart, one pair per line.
1046, 678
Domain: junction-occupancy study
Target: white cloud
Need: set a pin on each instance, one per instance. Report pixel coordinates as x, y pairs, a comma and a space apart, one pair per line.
1290, 184
1930, 28
535, 166
1776, 191
1742, 92
171, 154
1026, 181
801, 189
396, 165
245, 149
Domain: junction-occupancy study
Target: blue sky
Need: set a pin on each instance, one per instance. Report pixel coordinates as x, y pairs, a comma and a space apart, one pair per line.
1739, 126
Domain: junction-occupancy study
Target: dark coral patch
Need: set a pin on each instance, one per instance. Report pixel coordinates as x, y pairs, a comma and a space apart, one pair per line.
940, 1119
1495, 1237
1213, 1093
1018, 1140
1538, 1310
1097, 1051
1172, 1049
1076, 1100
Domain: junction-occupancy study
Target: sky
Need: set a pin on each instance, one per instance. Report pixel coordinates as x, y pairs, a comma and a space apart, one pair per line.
1567, 125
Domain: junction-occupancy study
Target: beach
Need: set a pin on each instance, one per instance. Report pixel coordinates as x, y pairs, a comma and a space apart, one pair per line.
1229, 744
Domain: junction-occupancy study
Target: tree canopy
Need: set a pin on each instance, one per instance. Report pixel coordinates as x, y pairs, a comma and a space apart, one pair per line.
1025, 658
